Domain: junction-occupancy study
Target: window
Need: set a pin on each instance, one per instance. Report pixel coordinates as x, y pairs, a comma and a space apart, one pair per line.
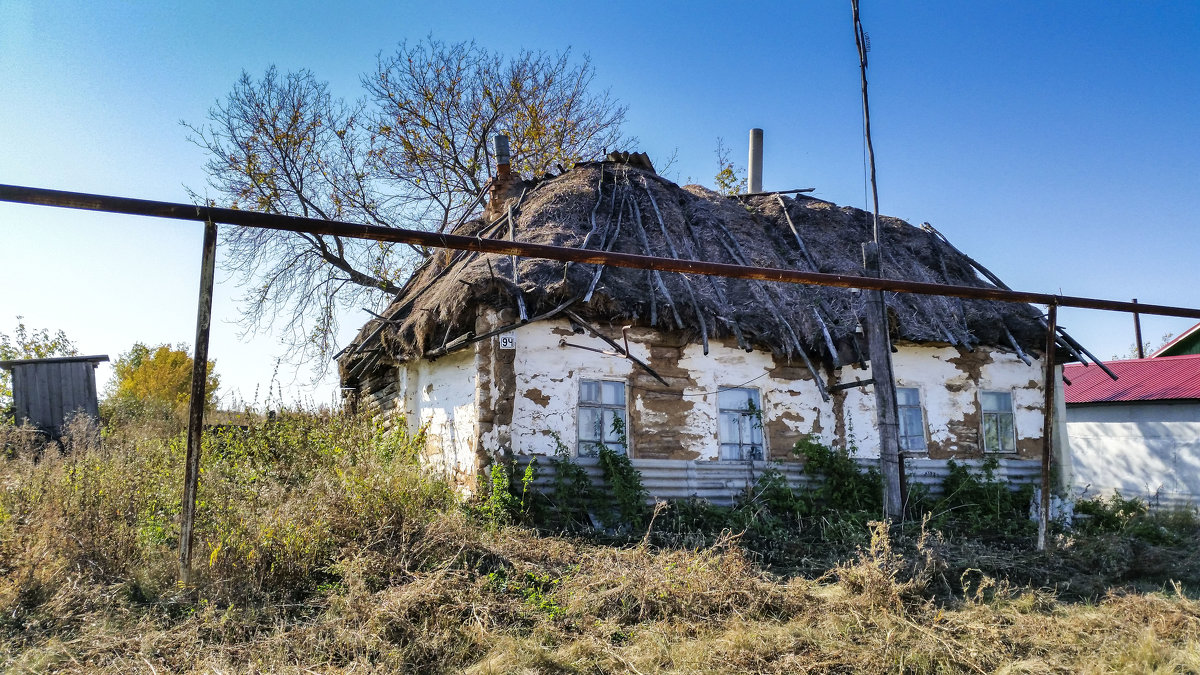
912, 420
740, 424
601, 405
998, 432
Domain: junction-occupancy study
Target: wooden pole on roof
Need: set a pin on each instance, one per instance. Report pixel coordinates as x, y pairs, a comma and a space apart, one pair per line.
191, 476
879, 345
1048, 424
1137, 333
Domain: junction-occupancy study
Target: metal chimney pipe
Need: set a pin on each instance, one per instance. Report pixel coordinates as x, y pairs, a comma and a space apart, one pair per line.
500, 148
755, 172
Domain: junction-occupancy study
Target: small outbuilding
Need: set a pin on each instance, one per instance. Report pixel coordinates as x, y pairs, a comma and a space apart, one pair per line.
48, 392
1139, 434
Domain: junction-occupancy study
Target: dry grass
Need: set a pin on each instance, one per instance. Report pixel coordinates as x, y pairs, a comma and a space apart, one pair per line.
322, 548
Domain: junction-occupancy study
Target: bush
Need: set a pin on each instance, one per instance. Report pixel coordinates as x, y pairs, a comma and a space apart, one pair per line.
623, 482
842, 485
978, 504
1131, 516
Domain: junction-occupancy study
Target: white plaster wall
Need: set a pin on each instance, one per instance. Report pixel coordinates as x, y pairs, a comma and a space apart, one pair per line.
1007, 372
858, 409
440, 397
442, 393
947, 393
1145, 449
547, 371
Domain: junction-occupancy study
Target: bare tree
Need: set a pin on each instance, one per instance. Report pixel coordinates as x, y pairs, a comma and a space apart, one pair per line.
413, 152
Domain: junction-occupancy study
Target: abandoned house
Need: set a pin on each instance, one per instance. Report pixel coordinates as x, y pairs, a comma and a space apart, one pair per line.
702, 380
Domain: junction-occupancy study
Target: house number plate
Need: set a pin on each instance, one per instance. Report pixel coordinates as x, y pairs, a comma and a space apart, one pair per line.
508, 340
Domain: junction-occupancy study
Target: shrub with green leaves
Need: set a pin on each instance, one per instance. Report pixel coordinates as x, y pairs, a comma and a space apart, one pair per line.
841, 486
566, 507
624, 482
1132, 516
979, 504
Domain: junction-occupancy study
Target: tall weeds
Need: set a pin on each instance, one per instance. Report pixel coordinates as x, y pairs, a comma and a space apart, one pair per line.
322, 545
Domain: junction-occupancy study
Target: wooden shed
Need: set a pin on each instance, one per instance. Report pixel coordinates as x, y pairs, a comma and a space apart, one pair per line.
48, 391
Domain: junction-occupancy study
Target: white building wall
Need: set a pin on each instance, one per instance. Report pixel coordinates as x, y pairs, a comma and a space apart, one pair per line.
1147, 449
443, 396
548, 377
440, 398
949, 394
548, 372
796, 402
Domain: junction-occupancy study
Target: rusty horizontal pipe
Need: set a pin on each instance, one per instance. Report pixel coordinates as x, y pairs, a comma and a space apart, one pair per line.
772, 192
271, 221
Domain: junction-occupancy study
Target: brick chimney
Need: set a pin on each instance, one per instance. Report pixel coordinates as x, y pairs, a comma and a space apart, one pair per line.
506, 184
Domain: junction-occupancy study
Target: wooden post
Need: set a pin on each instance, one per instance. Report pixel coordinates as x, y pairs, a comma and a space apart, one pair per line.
1137, 333
191, 475
879, 344
1048, 424
879, 352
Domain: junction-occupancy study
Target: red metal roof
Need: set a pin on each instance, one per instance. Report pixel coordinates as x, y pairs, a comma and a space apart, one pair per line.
1149, 379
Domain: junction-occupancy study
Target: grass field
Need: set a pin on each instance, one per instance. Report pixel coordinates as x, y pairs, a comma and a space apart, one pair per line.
322, 547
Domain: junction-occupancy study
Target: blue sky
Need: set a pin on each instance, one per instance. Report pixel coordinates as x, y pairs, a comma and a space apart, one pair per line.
1057, 143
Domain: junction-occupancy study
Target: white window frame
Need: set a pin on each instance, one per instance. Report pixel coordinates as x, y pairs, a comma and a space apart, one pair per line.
905, 438
752, 440
590, 447
996, 417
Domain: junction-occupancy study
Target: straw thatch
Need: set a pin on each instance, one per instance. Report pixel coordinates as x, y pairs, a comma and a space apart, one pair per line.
615, 206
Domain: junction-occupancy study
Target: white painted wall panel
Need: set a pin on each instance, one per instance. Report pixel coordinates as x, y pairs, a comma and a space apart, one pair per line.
1145, 449
948, 393
549, 372
440, 397
548, 377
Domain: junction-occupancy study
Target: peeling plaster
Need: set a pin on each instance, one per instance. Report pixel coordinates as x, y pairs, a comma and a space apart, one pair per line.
479, 401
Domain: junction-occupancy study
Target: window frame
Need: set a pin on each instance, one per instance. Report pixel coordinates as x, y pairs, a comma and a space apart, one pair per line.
622, 408
755, 412
924, 424
997, 415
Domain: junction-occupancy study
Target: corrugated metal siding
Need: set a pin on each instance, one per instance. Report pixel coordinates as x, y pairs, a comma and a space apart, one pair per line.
721, 482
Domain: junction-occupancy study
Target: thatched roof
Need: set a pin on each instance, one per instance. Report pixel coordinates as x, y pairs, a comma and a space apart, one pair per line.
615, 206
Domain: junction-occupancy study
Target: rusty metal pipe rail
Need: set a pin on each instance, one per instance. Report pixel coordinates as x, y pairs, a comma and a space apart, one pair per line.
142, 207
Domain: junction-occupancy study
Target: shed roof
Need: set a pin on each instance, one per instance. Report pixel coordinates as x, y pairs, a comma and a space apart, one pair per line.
56, 359
1151, 379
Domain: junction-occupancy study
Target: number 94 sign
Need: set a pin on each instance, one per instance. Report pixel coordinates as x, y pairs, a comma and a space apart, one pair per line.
508, 340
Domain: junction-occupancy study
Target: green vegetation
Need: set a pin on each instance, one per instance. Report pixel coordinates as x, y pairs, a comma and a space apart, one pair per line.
979, 504
154, 385
729, 180
323, 546
26, 343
